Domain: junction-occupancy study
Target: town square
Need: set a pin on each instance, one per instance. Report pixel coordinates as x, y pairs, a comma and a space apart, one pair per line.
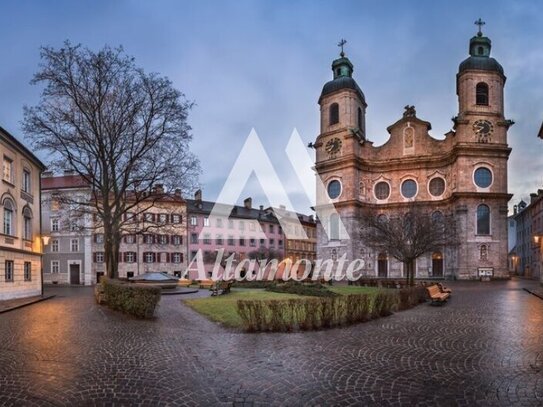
247, 203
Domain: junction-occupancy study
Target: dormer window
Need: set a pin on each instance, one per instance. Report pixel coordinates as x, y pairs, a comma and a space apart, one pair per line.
334, 114
481, 94
481, 51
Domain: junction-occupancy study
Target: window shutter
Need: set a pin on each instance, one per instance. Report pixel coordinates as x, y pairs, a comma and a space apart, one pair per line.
181, 257
94, 257
154, 257
168, 257
167, 239
153, 217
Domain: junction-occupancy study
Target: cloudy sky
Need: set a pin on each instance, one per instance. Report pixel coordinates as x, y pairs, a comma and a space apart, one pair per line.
262, 64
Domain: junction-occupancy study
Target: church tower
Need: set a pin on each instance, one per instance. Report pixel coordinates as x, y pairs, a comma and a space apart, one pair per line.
342, 133
481, 163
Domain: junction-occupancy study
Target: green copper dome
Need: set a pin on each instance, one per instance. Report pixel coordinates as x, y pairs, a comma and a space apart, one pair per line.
343, 78
479, 59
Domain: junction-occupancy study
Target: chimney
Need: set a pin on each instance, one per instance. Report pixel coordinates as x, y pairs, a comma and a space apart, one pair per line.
248, 203
311, 218
515, 210
533, 197
158, 189
69, 172
177, 193
198, 195
47, 174
261, 208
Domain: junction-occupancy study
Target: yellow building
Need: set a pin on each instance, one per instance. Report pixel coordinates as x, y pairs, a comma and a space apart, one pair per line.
20, 237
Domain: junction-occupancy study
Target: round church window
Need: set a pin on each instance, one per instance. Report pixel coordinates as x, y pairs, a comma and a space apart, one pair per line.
382, 190
409, 188
437, 186
482, 177
334, 189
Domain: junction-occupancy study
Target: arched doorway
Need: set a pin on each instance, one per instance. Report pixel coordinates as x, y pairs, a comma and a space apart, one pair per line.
437, 264
382, 265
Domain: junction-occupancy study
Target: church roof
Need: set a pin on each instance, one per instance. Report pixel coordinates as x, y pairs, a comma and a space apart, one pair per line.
481, 64
342, 82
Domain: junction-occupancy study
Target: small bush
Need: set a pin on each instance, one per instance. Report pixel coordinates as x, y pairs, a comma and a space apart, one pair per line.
294, 287
134, 299
410, 297
384, 303
253, 284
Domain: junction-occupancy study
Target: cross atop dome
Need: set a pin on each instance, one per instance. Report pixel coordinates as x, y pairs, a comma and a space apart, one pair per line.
341, 43
479, 23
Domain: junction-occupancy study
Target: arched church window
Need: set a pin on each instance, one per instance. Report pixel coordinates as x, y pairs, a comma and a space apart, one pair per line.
334, 226
334, 113
481, 94
483, 220
360, 118
9, 220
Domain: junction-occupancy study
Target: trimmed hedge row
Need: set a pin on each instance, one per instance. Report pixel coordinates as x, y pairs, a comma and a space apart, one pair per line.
315, 313
134, 299
294, 287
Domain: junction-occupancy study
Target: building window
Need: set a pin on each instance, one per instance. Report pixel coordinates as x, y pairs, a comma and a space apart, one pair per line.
382, 190
334, 226
74, 227
280, 242
8, 217
99, 257
481, 94
207, 238
26, 181
148, 239
149, 217
219, 240
230, 224
130, 239
163, 218
27, 224
74, 245
99, 238
252, 242
193, 221
272, 229
334, 113
334, 189
8, 274
231, 240
242, 241
272, 242
130, 257
54, 225
176, 218
483, 220
27, 271
437, 186
359, 119
193, 254
55, 266
409, 188
54, 245
177, 240
219, 222
194, 238
206, 221
163, 239
8, 170
149, 257
177, 258
482, 177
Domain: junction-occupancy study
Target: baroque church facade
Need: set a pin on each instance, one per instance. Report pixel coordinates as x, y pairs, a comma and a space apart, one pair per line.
463, 176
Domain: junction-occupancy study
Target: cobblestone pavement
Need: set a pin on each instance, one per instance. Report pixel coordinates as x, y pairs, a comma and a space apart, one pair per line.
483, 348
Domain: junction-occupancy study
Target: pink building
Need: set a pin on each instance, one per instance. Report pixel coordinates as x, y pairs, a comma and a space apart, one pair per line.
246, 232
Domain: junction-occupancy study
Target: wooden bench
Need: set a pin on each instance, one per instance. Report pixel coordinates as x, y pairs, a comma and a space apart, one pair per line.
184, 282
436, 295
205, 283
221, 287
444, 289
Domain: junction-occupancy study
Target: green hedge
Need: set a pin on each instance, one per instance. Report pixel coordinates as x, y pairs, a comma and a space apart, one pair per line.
314, 313
134, 299
294, 287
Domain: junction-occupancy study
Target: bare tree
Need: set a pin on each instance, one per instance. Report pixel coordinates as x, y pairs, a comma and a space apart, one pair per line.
123, 131
264, 253
409, 235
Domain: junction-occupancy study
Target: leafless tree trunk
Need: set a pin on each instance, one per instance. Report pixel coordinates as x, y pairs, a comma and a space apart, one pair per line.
406, 235
123, 131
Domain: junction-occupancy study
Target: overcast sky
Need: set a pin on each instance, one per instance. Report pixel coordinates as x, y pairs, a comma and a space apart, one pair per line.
262, 65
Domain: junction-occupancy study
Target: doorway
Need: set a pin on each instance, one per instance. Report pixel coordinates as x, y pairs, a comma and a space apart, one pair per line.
74, 274
382, 265
437, 264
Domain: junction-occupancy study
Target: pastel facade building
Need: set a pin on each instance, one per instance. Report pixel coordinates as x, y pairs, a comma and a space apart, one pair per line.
21, 241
